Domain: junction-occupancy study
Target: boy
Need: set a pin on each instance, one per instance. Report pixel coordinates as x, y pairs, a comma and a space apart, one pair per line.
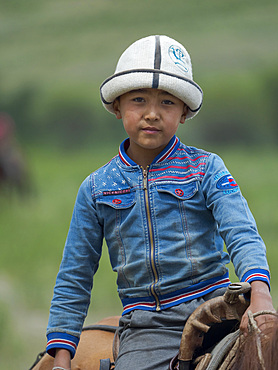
164, 209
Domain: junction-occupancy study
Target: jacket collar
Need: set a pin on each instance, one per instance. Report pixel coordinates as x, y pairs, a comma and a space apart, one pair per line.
166, 152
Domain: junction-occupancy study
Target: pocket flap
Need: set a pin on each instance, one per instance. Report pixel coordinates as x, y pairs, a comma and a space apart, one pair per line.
180, 191
116, 199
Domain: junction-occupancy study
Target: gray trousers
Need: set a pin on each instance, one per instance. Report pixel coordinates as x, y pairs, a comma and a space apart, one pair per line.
149, 340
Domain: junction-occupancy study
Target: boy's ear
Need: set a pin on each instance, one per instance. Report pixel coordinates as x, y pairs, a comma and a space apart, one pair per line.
183, 117
116, 106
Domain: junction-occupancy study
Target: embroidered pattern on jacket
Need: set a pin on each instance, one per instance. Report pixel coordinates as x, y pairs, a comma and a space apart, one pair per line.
116, 192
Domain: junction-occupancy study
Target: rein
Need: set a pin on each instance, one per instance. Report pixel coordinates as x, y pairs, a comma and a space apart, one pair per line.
253, 327
108, 328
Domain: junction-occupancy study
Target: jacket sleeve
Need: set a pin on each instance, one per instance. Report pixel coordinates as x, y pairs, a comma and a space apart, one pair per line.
235, 221
74, 281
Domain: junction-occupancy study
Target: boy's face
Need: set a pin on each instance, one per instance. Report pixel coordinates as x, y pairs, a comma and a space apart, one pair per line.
151, 118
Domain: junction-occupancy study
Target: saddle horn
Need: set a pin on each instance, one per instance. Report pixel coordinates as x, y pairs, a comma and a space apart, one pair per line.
230, 306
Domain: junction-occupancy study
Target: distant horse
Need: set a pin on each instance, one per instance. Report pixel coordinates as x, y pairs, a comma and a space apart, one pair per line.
13, 170
210, 340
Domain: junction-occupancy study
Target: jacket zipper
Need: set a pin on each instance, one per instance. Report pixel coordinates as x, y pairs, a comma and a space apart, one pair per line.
153, 267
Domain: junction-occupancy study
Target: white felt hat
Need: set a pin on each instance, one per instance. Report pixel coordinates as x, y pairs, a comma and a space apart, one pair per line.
157, 62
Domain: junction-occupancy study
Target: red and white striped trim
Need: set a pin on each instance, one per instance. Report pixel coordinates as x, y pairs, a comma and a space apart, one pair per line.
257, 276
165, 155
177, 177
123, 159
177, 167
58, 342
175, 300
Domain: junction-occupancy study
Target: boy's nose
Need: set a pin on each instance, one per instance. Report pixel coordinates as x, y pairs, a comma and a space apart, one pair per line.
152, 113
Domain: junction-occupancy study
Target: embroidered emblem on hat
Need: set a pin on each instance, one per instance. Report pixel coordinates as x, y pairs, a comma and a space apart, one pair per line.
226, 182
178, 57
179, 192
116, 201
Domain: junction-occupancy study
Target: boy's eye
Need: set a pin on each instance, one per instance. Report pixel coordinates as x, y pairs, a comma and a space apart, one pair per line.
167, 102
138, 99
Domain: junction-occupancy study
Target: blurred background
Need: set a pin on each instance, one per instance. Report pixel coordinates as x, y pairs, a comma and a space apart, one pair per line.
54, 131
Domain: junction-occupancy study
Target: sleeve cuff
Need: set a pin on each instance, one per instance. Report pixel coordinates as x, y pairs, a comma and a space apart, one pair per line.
61, 340
257, 274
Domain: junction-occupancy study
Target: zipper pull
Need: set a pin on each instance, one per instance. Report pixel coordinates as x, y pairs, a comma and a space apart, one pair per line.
145, 178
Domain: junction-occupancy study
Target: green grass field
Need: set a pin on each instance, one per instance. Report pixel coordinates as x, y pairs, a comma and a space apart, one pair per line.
75, 44
33, 232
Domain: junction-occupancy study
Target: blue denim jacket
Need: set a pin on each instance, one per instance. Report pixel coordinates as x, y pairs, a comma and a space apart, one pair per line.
164, 228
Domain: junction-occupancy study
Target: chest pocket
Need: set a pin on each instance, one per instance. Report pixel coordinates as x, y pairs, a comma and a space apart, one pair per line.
179, 191
117, 201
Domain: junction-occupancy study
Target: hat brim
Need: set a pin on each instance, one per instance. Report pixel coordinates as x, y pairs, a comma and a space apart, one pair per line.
120, 83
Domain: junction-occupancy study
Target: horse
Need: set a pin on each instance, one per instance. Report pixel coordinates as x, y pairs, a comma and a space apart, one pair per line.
96, 342
201, 347
210, 340
261, 347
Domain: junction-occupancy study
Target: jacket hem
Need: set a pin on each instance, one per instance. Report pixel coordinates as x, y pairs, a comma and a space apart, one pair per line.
177, 297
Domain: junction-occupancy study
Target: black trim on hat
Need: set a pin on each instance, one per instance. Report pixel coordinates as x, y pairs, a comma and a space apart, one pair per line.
157, 62
149, 71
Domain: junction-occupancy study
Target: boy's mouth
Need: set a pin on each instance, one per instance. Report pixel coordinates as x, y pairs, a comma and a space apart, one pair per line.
150, 129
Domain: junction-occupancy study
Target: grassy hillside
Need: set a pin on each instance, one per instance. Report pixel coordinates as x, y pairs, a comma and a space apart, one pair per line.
70, 42
55, 54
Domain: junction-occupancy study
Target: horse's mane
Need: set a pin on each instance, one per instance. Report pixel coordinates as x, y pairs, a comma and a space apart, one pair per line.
247, 356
